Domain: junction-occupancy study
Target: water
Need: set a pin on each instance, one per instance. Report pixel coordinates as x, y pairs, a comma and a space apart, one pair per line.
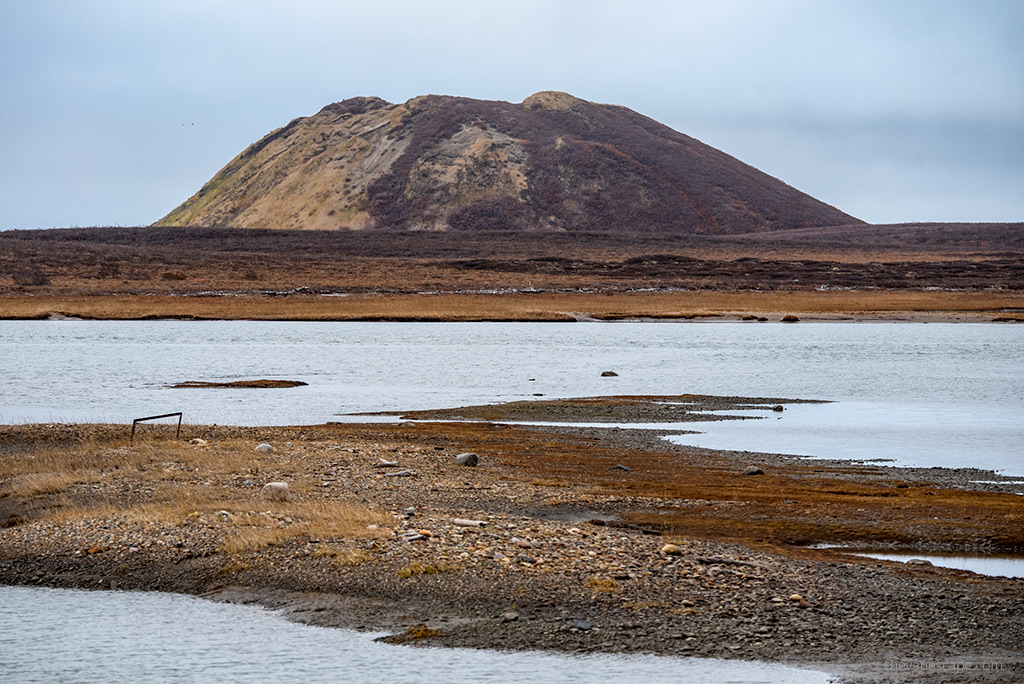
935, 394
996, 566
80, 637
904, 433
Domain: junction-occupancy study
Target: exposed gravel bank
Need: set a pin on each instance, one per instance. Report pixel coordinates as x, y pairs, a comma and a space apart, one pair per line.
554, 564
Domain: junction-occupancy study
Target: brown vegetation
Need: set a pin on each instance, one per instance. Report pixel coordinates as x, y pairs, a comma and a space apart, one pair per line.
66, 477
116, 273
974, 306
438, 163
693, 493
568, 536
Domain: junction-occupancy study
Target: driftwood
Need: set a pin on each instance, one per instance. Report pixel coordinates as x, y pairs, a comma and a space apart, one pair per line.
465, 522
400, 473
716, 560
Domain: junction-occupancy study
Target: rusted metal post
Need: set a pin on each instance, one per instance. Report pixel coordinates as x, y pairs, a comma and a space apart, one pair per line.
165, 415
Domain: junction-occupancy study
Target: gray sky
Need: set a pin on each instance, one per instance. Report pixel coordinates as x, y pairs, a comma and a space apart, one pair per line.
891, 111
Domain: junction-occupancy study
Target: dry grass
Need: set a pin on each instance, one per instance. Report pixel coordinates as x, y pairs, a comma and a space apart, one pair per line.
255, 538
603, 585
513, 307
35, 484
416, 569
342, 558
309, 520
168, 482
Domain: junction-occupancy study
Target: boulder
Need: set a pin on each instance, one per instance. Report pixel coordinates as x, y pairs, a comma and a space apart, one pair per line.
265, 448
609, 374
753, 470
468, 459
276, 491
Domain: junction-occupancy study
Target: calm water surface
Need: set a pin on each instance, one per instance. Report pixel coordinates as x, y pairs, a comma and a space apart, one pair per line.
920, 394
80, 637
996, 566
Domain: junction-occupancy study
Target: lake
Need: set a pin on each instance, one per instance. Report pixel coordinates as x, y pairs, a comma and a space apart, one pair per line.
921, 394
86, 637
918, 394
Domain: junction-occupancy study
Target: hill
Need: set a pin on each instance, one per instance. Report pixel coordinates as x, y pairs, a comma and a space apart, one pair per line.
552, 162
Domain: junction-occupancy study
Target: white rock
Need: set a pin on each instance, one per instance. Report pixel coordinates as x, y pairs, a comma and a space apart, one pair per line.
465, 522
265, 448
276, 491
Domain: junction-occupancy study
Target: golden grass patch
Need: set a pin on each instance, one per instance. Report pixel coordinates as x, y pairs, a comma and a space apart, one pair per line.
309, 520
511, 307
603, 585
416, 569
35, 484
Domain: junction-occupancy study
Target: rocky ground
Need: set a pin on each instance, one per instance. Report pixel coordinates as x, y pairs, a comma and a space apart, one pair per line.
576, 540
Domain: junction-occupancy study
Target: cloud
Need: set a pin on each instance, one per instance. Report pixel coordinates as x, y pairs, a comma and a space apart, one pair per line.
833, 97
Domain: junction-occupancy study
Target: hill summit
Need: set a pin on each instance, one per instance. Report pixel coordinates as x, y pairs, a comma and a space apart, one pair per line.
552, 162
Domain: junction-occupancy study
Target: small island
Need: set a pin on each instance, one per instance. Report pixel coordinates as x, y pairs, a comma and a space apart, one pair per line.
248, 384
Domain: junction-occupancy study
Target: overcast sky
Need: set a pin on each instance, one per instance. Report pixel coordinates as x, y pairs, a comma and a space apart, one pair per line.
113, 112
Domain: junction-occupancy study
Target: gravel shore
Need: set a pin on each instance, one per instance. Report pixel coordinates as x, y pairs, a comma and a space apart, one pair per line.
553, 541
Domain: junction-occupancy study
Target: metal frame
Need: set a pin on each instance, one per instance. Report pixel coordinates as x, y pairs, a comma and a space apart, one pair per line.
165, 415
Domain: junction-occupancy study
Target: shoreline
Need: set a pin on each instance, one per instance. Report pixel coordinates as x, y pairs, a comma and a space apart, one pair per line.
578, 525
838, 305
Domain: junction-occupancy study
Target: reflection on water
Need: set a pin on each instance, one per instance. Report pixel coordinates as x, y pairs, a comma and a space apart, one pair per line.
80, 637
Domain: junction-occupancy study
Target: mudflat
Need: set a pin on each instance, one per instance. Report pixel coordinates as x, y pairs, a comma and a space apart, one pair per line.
574, 539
